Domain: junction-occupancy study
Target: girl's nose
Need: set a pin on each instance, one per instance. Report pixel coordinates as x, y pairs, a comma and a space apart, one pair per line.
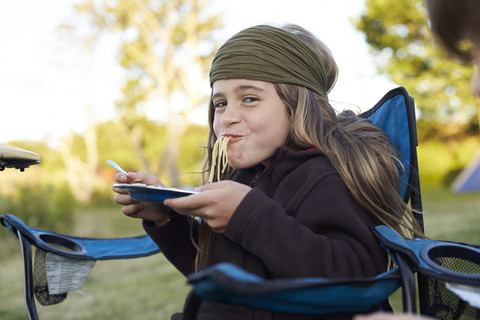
230, 116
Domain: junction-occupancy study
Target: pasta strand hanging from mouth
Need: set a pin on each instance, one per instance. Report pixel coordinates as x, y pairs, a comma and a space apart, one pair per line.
219, 158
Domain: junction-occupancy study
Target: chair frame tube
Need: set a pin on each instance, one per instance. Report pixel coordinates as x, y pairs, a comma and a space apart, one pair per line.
28, 277
408, 285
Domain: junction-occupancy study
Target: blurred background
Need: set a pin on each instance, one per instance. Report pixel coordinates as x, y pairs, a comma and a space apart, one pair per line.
127, 80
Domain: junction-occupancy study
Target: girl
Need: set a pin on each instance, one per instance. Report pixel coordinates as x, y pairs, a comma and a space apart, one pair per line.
302, 186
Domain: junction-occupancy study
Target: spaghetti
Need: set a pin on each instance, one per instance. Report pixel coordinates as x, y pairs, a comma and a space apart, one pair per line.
219, 158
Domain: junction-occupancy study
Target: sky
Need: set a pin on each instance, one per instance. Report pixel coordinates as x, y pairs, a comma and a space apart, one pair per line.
46, 83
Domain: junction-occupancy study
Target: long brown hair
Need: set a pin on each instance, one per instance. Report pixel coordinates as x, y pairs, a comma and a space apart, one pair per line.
361, 152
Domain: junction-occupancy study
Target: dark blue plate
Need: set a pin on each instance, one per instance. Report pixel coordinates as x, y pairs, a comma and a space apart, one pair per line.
152, 194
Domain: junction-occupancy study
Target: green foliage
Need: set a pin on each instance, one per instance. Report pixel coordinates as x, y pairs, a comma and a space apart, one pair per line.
114, 145
441, 161
53, 159
404, 48
47, 206
192, 154
29, 195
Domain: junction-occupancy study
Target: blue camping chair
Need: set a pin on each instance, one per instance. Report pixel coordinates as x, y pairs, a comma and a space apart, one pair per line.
394, 113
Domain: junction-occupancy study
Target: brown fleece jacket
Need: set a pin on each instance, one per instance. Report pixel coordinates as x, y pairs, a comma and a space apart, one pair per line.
299, 220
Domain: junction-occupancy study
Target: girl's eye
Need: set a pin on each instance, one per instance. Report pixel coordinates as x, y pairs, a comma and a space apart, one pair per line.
250, 99
219, 104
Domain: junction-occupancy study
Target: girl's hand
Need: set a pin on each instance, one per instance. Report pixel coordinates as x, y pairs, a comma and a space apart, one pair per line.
215, 203
155, 212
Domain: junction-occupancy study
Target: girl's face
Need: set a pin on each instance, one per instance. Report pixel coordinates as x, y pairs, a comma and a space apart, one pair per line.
254, 116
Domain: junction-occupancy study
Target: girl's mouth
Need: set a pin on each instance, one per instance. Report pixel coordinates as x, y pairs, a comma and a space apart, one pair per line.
233, 137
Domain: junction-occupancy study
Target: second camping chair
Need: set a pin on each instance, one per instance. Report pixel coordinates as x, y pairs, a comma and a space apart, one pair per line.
68, 259
448, 274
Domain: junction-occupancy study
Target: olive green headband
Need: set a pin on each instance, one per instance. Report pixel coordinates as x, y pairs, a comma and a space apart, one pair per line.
270, 54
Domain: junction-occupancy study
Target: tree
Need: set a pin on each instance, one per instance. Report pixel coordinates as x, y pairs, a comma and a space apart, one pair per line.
166, 48
81, 173
404, 47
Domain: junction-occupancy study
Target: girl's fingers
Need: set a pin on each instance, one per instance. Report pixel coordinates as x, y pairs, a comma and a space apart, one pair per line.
124, 199
190, 203
131, 210
121, 178
138, 177
120, 191
144, 178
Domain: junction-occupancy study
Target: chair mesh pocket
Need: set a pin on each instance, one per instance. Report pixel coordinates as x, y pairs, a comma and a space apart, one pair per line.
444, 304
40, 284
441, 302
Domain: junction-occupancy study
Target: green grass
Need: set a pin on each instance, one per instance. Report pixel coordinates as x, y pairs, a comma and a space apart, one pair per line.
452, 217
150, 288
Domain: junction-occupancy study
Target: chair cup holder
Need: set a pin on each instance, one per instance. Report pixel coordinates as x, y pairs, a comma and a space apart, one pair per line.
60, 244
455, 261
